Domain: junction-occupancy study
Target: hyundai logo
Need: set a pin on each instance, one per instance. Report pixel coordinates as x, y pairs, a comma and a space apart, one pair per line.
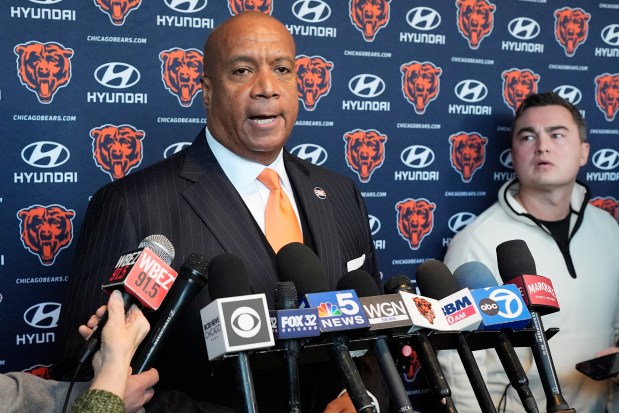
310, 152
423, 18
606, 159
417, 156
471, 91
186, 6
374, 224
117, 75
506, 159
610, 35
174, 148
43, 315
569, 93
46, 2
460, 220
366, 86
311, 11
523, 28
45, 154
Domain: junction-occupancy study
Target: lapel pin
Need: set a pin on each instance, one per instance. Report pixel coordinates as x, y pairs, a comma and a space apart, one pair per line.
320, 193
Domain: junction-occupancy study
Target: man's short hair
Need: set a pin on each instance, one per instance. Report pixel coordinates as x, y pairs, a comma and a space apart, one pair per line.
551, 99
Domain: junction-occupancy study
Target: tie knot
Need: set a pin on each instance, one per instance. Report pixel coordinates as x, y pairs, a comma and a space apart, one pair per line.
270, 179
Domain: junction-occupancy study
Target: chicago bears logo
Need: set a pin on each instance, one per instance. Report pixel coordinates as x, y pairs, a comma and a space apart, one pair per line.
117, 149
45, 230
239, 6
420, 84
607, 94
608, 204
414, 366
180, 72
571, 28
117, 9
313, 79
43, 68
425, 308
365, 152
518, 85
369, 16
468, 153
415, 220
475, 20
40, 371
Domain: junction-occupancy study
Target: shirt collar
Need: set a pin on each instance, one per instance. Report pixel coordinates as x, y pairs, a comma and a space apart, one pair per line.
240, 171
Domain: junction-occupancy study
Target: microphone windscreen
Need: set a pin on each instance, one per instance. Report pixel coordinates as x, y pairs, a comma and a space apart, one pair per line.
474, 275
514, 258
228, 277
435, 280
196, 268
160, 245
296, 262
286, 296
398, 283
360, 281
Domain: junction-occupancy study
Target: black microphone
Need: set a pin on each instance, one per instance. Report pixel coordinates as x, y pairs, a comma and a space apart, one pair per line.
192, 276
427, 355
436, 281
365, 286
516, 265
298, 263
143, 276
477, 275
286, 298
228, 278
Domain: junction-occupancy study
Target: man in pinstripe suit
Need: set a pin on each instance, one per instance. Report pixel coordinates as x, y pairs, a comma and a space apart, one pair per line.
206, 199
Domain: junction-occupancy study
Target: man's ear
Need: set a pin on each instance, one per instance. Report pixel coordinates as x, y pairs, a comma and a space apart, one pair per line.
205, 84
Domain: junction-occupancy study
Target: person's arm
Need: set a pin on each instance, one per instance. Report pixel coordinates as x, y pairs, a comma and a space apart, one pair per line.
119, 339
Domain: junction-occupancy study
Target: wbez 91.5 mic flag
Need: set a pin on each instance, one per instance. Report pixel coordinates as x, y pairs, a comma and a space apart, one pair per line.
144, 276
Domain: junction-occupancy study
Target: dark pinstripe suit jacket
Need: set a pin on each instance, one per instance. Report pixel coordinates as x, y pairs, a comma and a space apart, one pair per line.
189, 199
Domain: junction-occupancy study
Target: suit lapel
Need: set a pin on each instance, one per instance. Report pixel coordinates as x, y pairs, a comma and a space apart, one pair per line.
218, 204
319, 215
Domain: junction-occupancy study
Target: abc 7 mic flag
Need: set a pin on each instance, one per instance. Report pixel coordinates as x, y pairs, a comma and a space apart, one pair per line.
236, 324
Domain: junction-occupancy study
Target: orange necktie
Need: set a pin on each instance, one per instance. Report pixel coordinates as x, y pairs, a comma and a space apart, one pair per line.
281, 224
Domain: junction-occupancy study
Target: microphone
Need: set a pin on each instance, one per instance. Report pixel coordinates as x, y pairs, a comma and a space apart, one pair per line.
517, 266
383, 312
235, 321
436, 281
143, 275
337, 311
290, 324
477, 275
296, 262
422, 313
192, 276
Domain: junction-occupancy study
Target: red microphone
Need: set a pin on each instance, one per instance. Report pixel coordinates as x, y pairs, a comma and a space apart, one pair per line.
143, 276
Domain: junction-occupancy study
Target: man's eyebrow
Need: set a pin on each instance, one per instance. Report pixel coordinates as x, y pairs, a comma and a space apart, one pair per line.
525, 129
547, 129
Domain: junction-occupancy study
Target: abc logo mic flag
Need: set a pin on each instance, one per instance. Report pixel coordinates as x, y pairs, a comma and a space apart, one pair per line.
236, 324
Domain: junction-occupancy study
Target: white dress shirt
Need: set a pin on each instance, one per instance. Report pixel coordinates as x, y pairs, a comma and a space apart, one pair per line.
244, 176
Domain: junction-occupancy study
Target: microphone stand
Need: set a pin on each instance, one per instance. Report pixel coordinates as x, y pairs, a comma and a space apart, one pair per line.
245, 378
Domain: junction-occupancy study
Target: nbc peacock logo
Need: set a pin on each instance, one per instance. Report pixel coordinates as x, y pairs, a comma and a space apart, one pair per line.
328, 310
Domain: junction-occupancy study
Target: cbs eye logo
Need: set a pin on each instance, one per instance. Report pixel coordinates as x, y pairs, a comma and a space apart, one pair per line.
245, 322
